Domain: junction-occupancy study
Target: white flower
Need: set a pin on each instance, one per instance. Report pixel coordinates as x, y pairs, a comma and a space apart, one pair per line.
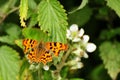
73, 61
90, 47
85, 38
77, 51
77, 59
77, 66
85, 55
69, 35
46, 67
80, 53
76, 39
74, 28
81, 32
74, 34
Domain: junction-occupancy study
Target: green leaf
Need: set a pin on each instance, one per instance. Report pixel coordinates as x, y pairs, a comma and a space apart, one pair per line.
80, 17
24, 70
82, 5
33, 20
109, 53
99, 73
47, 75
9, 63
19, 43
115, 5
23, 11
103, 13
64, 72
13, 32
52, 18
32, 4
33, 33
6, 6
109, 34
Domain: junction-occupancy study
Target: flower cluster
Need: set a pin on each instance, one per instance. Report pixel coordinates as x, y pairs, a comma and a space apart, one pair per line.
81, 45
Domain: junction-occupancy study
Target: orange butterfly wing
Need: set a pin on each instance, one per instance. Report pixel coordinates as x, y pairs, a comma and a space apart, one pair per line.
36, 52
29, 44
29, 49
56, 47
40, 52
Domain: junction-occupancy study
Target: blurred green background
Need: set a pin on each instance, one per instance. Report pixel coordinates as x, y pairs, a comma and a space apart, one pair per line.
100, 20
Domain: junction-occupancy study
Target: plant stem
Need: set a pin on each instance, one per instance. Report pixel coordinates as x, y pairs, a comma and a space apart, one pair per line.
4, 15
62, 63
40, 73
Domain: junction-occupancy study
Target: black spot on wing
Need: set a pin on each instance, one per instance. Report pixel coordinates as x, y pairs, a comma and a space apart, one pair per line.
55, 44
60, 45
51, 47
50, 44
34, 41
47, 52
53, 51
30, 41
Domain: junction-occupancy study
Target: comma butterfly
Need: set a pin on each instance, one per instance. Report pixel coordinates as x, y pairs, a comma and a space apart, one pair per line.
40, 52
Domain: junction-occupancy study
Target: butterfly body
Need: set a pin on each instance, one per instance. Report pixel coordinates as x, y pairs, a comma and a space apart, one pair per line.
41, 52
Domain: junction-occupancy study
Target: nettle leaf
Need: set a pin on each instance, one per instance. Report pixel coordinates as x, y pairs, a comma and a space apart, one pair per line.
109, 53
9, 63
33, 20
32, 4
23, 11
115, 5
52, 18
13, 32
34, 33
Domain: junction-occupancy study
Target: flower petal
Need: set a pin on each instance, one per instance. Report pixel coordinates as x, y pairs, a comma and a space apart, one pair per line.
85, 55
77, 59
76, 39
86, 38
74, 28
77, 66
68, 34
81, 32
90, 47
77, 51
46, 67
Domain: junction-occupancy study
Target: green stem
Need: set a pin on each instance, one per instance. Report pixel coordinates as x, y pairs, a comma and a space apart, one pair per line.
40, 73
62, 63
4, 15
